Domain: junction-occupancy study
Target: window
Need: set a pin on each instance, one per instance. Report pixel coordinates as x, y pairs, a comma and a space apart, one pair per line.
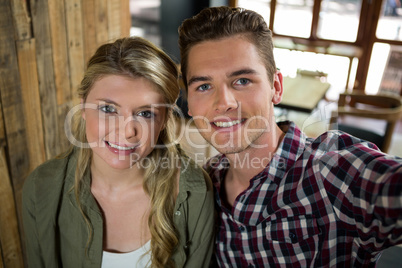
339, 20
293, 17
340, 28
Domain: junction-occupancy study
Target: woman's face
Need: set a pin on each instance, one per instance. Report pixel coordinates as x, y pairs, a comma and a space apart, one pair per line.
124, 117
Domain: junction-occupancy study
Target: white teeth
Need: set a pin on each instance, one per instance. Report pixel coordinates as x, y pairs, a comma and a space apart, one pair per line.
227, 124
120, 147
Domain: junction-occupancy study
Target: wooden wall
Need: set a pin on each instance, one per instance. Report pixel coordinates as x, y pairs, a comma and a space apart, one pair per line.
44, 46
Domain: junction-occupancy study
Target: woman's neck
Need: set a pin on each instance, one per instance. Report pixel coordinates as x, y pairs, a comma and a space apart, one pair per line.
111, 179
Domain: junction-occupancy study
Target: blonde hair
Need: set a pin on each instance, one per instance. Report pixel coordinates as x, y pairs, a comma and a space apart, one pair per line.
137, 57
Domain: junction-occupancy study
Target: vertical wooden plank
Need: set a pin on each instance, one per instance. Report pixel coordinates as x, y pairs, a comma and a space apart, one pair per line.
114, 19
90, 43
57, 18
9, 234
31, 102
125, 16
10, 93
75, 44
47, 87
2, 131
1, 257
101, 23
22, 21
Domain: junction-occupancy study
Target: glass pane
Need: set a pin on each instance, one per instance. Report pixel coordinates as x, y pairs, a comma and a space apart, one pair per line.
263, 7
335, 66
145, 18
390, 22
385, 72
339, 19
378, 61
293, 17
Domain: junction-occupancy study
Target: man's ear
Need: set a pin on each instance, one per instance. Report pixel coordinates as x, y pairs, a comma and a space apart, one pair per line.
277, 88
82, 108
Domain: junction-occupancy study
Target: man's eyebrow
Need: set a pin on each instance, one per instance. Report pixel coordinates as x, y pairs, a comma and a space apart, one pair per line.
243, 71
198, 79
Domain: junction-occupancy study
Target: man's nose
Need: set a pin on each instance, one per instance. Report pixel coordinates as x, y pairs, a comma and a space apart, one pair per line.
225, 100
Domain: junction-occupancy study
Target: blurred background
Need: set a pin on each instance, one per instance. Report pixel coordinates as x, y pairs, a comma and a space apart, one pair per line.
324, 48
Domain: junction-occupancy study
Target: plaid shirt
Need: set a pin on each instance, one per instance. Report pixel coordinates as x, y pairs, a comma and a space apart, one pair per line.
332, 201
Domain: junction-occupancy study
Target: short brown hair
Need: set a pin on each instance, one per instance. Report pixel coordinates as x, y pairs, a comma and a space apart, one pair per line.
220, 22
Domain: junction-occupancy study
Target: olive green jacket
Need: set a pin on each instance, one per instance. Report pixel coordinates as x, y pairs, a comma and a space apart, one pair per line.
56, 234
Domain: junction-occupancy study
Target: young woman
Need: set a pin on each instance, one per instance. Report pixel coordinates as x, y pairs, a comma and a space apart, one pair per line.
123, 195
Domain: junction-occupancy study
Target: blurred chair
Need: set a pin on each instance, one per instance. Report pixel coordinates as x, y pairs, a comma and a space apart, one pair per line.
387, 108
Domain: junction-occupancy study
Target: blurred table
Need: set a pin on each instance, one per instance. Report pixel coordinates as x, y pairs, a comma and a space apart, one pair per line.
302, 93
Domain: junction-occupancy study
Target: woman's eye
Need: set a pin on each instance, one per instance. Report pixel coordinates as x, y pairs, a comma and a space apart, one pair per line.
107, 109
203, 87
146, 114
242, 81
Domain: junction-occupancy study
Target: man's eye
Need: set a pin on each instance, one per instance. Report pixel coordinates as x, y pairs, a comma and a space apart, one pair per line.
107, 109
146, 114
204, 87
242, 81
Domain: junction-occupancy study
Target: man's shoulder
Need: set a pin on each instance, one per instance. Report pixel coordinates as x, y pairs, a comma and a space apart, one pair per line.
340, 148
338, 141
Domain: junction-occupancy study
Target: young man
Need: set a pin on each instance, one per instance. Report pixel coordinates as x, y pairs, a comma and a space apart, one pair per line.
283, 199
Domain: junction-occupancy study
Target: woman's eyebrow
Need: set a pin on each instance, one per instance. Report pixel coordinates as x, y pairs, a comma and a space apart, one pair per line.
108, 101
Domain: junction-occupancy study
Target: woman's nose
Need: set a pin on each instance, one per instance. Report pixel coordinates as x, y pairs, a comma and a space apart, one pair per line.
130, 128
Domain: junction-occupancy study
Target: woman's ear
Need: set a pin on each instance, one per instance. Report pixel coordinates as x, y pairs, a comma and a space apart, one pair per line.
277, 87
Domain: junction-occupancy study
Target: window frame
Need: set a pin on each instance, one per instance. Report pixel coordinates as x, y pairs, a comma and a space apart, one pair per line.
361, 49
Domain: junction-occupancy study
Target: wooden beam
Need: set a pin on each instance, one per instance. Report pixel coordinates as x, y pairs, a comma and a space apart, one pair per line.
233, 3
76, 46
369, 16
2, 130
11, 99
1, 258
125, 18
58, 33
101, 23
46, 76
31, 102
89, 28
21, 18
9, 234
113, 19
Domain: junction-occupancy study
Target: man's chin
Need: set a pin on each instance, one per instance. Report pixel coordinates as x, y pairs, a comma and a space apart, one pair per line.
228, 148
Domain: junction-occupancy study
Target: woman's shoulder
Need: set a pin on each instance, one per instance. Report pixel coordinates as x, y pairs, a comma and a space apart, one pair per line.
49, 175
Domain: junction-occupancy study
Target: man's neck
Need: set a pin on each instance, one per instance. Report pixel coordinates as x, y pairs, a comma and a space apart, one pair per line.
249, 163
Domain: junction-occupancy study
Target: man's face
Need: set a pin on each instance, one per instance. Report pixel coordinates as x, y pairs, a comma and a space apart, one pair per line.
229, 94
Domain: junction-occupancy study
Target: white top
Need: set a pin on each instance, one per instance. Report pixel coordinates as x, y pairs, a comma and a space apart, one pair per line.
138, 258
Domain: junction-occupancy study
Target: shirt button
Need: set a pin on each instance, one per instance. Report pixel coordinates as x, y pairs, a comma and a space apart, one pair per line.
250, 265
293, 237
242, 228
177, 213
